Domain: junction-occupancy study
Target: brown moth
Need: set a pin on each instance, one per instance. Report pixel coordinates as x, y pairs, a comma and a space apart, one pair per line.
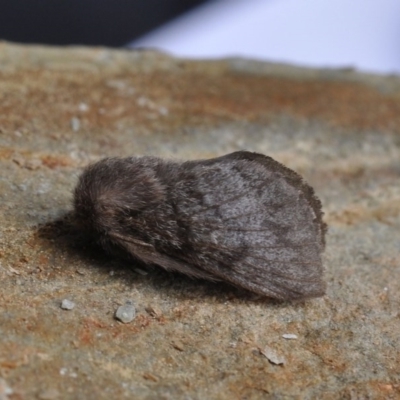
242, 218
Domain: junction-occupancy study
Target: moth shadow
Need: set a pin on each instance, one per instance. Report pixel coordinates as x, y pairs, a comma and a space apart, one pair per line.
66, 241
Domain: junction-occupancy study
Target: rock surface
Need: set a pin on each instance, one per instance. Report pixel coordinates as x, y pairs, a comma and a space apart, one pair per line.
62, 108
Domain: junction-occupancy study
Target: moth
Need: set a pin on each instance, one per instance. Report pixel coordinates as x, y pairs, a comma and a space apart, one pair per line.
242, 218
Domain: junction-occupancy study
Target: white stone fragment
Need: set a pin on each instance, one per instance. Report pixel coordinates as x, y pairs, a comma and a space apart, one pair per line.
290, 336
83, 107
5, 390
75, 124
272, 355
67, 304
126, 313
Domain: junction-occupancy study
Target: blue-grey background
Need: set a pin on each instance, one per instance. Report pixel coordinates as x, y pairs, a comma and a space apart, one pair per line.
364, 34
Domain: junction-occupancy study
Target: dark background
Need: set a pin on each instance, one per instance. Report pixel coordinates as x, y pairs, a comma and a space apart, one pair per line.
86, 22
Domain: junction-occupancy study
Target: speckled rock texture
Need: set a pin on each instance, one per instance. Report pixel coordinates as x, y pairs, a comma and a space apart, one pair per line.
63, 108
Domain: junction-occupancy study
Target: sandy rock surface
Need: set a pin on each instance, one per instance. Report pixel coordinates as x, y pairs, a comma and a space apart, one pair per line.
62, 108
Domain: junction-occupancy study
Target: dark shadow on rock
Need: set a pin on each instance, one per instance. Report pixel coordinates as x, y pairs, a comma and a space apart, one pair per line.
63, 235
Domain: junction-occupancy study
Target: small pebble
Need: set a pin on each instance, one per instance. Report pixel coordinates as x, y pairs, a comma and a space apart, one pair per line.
67, 304
178, 345
5, 390
80, 272
126, 313
13, 270
83, 107
163, 110
272, 355
153, 311
140, 271
75, 124
31, 164
150, 377
289, 336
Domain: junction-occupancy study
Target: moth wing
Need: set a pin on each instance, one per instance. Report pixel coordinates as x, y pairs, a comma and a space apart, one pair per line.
148, 254
253, 222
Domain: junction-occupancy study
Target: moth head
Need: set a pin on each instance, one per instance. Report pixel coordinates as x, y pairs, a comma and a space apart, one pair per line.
113, 189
